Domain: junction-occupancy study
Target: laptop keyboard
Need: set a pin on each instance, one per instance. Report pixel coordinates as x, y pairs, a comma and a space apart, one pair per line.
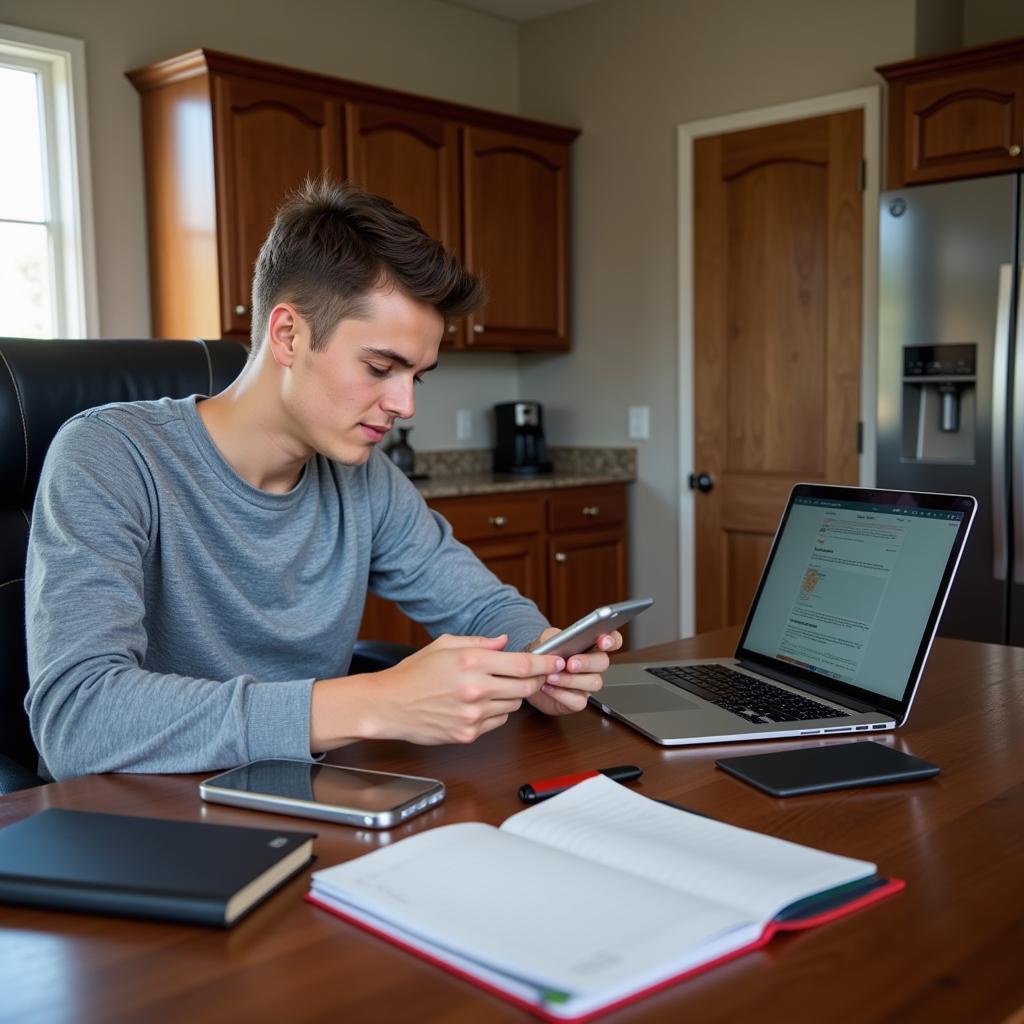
751, 699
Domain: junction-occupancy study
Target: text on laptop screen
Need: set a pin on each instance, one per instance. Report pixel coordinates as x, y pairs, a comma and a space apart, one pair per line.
851, 588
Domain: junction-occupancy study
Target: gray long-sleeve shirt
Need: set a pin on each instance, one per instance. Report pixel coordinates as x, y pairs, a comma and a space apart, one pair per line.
177, 617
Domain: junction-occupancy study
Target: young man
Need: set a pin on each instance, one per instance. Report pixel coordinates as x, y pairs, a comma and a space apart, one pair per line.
197, 568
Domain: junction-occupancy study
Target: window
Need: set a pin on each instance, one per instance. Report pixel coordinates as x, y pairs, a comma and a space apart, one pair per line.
47, 280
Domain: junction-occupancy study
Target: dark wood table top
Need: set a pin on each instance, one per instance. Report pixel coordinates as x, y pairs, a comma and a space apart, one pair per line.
948, 948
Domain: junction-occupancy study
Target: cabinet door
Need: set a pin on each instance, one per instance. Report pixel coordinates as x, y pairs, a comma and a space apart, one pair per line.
587, 568
505, 531
963, 123
269, 138
412, 159
515, 222
518, 561
383, 620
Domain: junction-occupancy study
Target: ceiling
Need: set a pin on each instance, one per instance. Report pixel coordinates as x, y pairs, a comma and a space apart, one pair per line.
520, 10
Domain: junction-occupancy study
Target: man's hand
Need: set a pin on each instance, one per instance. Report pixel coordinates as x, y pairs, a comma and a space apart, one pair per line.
452, 691
568, 691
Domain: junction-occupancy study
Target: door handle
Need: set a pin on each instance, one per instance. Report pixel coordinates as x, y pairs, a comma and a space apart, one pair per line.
1017, 440
702, 482
1000, 357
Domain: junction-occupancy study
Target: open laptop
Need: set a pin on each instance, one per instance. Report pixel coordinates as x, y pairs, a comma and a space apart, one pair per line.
836, 637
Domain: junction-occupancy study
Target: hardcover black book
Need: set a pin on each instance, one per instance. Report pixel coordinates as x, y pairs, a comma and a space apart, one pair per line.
146, 867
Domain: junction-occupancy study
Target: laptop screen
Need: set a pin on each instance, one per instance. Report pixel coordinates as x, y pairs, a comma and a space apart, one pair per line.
854, 586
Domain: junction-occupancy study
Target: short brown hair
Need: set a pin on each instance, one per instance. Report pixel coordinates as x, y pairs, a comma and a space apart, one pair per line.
332, 243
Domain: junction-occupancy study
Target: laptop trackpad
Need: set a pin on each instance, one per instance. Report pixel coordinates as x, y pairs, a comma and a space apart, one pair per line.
631, 699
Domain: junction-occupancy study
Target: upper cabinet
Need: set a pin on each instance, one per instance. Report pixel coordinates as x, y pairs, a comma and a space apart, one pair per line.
516, 217
413, 159
226, 138
956, 116
267, 138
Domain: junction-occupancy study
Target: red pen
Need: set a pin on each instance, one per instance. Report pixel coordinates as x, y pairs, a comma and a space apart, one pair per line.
532, 792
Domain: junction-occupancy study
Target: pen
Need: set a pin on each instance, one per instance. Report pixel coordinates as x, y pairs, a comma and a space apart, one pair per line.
532, 792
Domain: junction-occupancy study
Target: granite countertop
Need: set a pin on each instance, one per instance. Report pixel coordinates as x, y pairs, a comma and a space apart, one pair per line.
463, 472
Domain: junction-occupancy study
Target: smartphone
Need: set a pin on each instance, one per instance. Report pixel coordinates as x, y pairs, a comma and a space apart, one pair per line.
351, 796
583, 634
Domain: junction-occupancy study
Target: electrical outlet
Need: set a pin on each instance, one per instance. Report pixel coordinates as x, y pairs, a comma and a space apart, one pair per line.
463, 425
639, 422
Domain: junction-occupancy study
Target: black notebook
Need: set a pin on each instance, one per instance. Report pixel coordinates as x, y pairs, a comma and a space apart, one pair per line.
145, 867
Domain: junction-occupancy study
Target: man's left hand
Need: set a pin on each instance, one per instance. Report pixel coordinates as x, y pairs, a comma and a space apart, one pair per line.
567, 692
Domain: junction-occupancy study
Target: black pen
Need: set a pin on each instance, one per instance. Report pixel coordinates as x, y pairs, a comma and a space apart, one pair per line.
532, 792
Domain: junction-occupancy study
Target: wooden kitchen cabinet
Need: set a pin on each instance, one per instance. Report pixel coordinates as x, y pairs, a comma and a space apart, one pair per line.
516, 216
960, 115
412, 158
506, 534
225, 138
586, 551
565, 548
268, 138
585, 567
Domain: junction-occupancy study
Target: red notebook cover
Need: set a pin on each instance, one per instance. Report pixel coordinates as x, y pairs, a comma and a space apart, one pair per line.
887, 888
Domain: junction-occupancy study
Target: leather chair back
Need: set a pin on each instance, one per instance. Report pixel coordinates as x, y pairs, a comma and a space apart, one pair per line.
42, 384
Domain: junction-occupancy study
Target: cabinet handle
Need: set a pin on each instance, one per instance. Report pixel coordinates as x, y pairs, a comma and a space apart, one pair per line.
452, 328
561, 556
478, 328
241, 310
497, 520
591, 510
1013, 150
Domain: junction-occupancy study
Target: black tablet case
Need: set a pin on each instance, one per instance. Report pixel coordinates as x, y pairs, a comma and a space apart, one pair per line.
831, 766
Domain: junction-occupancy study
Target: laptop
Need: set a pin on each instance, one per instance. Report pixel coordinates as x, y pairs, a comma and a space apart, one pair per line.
836, 637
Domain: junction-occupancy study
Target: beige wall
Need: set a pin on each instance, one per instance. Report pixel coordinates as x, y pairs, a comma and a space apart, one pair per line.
629, 72
422, 46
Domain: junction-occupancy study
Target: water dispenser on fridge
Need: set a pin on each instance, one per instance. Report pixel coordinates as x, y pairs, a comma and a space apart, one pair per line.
939, 408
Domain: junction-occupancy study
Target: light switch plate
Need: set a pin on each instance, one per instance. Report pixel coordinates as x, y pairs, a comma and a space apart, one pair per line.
639, 422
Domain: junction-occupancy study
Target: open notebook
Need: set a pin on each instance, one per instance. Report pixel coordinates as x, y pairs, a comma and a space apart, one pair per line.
591, 899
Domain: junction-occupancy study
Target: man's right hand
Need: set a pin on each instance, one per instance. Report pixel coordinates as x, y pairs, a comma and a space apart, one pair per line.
452, 691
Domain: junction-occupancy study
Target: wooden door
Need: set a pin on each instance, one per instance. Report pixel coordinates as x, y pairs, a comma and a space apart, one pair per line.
269, 138
412, 159
777, 337
516, 223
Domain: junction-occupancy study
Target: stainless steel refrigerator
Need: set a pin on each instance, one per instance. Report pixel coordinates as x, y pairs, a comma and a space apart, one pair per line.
951, 379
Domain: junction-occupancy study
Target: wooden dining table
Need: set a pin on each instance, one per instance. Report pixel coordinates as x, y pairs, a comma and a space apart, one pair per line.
950, 947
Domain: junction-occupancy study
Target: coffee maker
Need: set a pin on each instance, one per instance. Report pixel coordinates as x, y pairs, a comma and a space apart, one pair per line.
520, 448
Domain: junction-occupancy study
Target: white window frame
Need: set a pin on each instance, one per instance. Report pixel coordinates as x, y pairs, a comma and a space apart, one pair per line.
60, 63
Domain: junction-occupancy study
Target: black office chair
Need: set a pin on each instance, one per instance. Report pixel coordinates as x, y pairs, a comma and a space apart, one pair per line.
42, 384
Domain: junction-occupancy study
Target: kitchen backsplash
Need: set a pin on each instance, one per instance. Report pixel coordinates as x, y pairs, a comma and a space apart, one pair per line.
567, 459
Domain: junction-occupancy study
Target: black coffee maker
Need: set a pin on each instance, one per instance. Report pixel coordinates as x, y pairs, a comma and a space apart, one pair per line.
520, 447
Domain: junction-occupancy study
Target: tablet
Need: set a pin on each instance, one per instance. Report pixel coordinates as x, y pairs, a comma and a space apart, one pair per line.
830, 766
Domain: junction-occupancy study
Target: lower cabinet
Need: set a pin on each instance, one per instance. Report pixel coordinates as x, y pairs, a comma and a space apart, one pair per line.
566, 549
582, 565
